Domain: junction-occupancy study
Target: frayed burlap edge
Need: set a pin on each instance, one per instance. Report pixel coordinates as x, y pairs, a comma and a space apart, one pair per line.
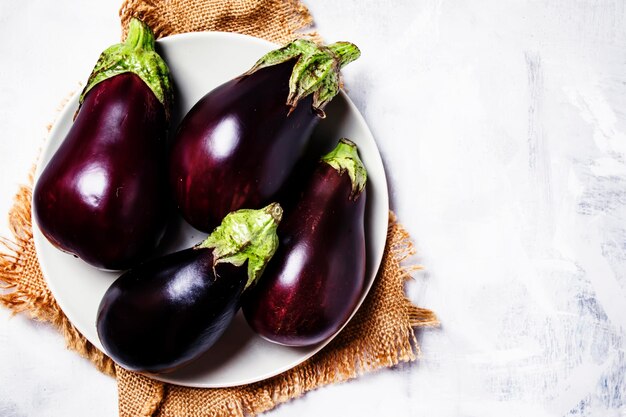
278, 21
31, 296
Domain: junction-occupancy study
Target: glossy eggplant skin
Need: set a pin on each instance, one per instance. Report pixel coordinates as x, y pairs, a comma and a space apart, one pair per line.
316, 277
237, 146
103, 196
165, 313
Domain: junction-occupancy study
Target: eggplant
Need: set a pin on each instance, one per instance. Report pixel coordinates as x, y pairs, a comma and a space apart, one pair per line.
312, 284
238, 145
165, 313
103, 196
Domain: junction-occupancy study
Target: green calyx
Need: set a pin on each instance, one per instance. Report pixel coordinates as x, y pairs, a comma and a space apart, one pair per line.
345, 158
315, 72
246, 235
136, 55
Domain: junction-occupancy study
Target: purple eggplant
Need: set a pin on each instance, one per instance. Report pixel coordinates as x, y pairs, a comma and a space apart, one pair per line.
164, 313
238, 145
103, 195
314, 281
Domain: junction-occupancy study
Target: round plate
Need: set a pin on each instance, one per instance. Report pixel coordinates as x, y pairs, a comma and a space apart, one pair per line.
200, 62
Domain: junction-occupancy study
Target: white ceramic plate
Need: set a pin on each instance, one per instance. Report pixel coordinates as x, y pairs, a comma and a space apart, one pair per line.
200, 62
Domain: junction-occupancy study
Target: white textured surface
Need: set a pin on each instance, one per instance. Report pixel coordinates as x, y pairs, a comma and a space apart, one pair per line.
503, 129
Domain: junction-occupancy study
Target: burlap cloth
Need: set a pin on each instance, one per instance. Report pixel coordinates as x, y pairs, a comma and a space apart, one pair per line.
380, 335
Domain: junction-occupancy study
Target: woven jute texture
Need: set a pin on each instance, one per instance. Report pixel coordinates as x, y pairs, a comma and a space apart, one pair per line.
275, 20
380, 335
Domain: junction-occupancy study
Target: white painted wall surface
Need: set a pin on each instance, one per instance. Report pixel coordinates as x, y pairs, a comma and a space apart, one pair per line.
502, 125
